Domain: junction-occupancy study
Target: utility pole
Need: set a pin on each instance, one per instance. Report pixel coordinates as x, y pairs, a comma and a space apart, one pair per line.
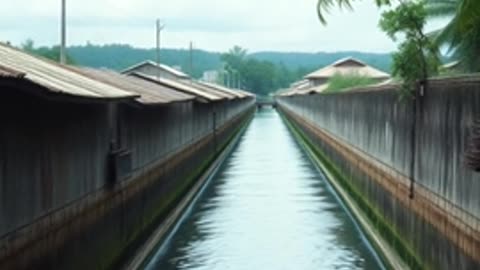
63, 57
191, 60
160, 27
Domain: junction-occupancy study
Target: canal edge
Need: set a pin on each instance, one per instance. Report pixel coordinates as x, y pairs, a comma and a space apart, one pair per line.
147, 249
387, 253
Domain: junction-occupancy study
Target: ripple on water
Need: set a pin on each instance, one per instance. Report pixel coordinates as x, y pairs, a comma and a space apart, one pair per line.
266, 208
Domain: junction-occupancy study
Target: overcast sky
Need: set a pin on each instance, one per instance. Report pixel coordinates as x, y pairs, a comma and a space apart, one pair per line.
215, 25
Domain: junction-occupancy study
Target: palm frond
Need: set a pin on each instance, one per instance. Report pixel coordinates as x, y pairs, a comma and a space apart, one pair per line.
441, 9
467, 52
325, 6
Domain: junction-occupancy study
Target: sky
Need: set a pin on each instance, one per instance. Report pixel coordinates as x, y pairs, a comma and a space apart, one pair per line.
214, 25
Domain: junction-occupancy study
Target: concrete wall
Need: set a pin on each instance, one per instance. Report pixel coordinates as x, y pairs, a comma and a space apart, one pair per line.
367, 135
57, 210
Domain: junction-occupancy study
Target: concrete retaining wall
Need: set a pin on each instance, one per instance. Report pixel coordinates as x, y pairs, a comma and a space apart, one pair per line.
367, 137
57, 209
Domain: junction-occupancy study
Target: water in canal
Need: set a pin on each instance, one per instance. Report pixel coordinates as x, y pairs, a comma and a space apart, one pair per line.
267, 207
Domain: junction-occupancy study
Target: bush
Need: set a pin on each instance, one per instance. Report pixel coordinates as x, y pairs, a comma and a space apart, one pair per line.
340, 83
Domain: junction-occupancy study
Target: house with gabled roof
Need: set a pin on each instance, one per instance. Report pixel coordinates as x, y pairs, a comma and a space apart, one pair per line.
346, 66
153, 69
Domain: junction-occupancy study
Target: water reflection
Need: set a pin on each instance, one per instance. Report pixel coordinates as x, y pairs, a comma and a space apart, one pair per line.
267, 208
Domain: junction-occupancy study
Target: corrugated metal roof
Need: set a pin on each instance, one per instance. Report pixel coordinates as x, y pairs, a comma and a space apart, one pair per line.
303, 88
217, 91
312, 90
299, 83
166, 68
246, 93
180, 87
11, 73
150, 93
217, 87
54, 77
338, 68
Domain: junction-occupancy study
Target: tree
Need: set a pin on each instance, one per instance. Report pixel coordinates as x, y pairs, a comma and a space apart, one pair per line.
326, 5
417, 56
235, 58
462, 34
52, 53
261, 77
28, 45
415, 60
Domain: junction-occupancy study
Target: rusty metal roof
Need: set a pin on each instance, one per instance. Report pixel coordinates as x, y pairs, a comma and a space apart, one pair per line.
182, 87
150, 93
55, 77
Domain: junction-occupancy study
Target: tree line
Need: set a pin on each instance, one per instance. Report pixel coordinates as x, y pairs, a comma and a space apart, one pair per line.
259, 72
259, 76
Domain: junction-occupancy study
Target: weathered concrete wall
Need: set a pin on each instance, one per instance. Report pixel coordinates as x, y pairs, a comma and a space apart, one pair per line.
57, 210
367, 136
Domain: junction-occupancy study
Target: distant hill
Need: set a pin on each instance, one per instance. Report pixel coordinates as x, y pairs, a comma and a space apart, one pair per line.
118, 57
295, 60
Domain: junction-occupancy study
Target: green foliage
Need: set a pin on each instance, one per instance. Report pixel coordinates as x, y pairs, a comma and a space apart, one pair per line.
326, 5
118, 57
259, 76
234, 59
52, 53
285, 67
462, 33
417, 56
121, 56
309, 62
339, 82
264, 73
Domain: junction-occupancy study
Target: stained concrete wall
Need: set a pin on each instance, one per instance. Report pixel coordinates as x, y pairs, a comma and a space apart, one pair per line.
367, 134
57, 210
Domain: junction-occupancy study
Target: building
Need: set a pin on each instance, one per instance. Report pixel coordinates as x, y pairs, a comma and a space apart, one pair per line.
345, 66
211, 76
83, 150
153, 69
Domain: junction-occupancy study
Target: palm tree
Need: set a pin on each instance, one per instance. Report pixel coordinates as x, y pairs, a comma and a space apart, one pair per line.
461, 35
326, 5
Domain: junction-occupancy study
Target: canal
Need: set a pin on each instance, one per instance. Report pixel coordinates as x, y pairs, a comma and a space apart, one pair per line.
267, 207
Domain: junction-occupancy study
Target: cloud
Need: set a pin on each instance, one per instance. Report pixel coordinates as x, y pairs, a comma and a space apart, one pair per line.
282, 25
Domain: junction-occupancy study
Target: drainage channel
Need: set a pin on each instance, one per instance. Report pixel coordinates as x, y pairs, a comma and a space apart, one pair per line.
266, 207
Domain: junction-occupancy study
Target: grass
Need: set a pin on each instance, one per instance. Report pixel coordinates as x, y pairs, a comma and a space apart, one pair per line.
340, 83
